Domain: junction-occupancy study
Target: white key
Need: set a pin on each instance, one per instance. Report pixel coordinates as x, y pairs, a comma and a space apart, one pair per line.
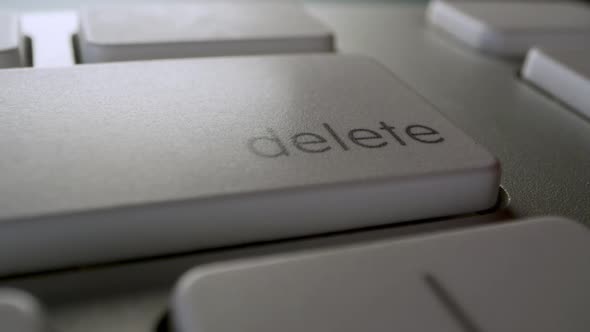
132, 32
564, 74
145, 158
20, 312
11, 41
525, 276
511, 28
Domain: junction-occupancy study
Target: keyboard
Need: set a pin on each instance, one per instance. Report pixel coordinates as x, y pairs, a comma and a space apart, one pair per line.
333, 166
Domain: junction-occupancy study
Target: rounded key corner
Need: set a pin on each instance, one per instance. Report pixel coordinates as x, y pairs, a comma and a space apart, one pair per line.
190, 278
183, 291
561, 221
19, 299
530, 61
492, 162
84, 32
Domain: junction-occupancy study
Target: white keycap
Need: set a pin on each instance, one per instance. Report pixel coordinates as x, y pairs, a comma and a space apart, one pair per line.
145, 158
511, 28
524, 276
132, 32
20, 312
11, 41
564, 74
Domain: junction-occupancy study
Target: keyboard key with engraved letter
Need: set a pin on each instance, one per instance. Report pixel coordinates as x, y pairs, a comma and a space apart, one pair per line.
216, 152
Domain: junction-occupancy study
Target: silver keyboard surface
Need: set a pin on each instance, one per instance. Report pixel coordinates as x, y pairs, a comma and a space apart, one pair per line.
543, 146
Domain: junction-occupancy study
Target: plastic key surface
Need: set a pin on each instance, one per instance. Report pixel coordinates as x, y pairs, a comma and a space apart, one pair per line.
144, 32
563, 73
511, 28
125, 160
522, 276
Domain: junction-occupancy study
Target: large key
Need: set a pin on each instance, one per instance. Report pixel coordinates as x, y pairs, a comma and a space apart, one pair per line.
525, 276
115, 161
145, 32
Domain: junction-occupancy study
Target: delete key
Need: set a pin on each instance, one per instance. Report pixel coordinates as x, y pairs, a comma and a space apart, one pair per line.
190, 154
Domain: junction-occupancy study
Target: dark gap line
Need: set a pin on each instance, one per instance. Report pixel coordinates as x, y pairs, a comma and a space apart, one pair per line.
451, 304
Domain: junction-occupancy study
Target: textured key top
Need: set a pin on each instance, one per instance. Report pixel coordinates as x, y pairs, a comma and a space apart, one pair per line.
525, 276
564, 74
512, 27
157, 157
117, 33
20, 312
11, 41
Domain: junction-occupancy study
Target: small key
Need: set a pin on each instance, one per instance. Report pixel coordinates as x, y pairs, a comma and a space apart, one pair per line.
148, 158
564, 74
20, 312
511, 28
524, 276
132, 32
12, 53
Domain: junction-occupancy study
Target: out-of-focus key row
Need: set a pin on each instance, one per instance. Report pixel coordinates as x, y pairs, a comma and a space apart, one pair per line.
552, 35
